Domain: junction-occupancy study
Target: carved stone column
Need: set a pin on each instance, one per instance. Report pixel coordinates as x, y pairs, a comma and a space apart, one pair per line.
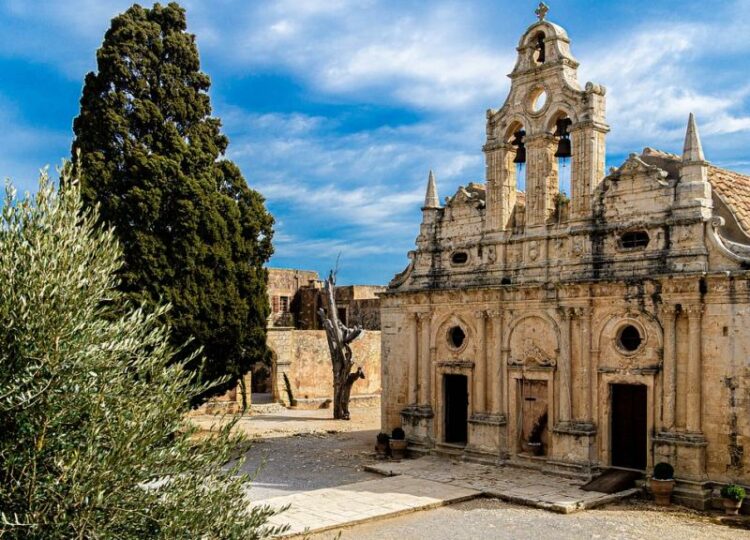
480, 368
586, 367
564, 401
496, 379
425, 374
413, 341
694, 371
669, 372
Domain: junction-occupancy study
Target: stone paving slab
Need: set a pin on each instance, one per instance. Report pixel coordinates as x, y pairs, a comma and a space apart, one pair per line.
512, 484
329, 508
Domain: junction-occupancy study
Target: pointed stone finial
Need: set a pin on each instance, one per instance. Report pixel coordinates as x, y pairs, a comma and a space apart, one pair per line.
431, 197
693, 150
541, 11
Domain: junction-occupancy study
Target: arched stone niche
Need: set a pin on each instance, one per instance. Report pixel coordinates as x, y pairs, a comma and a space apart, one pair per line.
533, 342
613, 355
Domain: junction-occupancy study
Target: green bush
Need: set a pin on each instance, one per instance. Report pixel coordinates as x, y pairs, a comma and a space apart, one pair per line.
733, 492
663, 471
94, 442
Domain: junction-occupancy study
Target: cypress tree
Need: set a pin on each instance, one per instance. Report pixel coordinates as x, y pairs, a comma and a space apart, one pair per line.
151, 155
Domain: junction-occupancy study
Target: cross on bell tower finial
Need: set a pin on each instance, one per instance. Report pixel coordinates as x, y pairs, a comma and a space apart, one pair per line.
541, 11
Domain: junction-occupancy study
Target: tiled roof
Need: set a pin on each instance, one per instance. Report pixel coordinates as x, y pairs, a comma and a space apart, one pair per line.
732, 187
734, 190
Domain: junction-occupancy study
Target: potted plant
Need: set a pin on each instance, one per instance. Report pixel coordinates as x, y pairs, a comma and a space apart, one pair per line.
662, 483
733, 496
381, 447
535, 443
398, 443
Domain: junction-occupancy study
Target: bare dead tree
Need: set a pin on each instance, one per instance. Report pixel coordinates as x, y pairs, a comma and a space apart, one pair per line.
339, 337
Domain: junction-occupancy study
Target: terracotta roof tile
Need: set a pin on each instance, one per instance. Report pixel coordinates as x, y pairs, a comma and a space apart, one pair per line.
734, 190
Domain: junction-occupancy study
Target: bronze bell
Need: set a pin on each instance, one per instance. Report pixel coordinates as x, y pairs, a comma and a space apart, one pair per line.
563, 145
563, 148
520, 147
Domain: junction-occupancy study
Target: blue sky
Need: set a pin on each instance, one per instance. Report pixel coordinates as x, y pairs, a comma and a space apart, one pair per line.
337, 110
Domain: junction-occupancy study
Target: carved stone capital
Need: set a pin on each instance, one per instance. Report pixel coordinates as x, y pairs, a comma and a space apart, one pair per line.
694, 310
495, 313
480, 314
669, 311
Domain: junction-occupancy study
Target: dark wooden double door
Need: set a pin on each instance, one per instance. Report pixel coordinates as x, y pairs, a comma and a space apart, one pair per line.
629, 426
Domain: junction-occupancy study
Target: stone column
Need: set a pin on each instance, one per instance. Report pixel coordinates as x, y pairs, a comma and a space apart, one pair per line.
424, 362
586, 367
480, 367
669, 380
694, 375
563, 401
413, 339
496, 379
541, 178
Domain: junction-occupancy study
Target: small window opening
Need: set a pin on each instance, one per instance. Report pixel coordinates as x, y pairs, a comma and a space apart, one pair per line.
725, 331
539, 53
460, 257
634, 239
456, 337
630, 338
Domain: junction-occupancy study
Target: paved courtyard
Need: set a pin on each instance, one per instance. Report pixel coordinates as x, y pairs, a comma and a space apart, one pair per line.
510, 484
320, 467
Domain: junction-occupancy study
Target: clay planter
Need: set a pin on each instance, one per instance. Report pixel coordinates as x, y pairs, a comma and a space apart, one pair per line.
731, 507
381, 450
398, 449
662, 490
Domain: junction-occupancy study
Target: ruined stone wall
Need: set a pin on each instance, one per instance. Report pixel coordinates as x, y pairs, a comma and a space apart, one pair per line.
283, 287
303, 356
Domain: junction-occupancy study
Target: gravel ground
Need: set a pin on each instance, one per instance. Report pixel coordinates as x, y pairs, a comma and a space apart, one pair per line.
297, 450
493, 519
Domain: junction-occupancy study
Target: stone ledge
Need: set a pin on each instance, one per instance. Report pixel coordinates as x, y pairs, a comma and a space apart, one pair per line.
575, 428
492, 419
680, 439
417, 411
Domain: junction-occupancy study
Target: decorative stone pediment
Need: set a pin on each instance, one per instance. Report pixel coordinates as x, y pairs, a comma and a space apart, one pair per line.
532, 356
635, 166
472, 194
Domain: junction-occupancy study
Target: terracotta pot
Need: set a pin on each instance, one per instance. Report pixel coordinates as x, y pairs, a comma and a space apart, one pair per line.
381, 450
662, 490
398, 448
731, 507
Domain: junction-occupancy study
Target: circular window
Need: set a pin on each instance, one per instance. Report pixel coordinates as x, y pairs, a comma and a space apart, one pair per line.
538, 100
630, 338
456, 337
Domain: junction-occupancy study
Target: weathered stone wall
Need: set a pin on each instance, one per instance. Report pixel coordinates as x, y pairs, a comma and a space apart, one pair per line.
637, 286
283, 287
304, 357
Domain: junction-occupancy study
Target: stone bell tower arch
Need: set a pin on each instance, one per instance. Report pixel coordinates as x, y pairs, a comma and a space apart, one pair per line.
544, 91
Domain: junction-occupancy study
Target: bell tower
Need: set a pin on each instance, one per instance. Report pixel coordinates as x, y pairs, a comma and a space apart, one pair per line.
547, 116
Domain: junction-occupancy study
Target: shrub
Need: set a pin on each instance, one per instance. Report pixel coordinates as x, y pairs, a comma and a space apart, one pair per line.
398, 434
383, 438
663, 471
94, 442
733, 492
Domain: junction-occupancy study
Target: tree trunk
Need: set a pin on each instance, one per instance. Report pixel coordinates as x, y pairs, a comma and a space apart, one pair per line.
339, 337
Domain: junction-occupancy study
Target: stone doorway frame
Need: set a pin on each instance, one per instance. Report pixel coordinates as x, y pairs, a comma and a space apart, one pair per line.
516, 374
645, 378
450, 367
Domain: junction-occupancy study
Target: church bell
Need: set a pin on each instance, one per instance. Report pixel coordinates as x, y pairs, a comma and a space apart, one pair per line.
520, 147
563, 145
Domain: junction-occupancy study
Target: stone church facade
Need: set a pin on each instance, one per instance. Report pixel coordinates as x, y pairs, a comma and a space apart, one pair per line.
607, 329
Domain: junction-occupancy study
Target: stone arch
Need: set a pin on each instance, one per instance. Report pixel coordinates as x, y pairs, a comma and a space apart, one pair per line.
450, 319
613, 322
557, 111
534, 314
